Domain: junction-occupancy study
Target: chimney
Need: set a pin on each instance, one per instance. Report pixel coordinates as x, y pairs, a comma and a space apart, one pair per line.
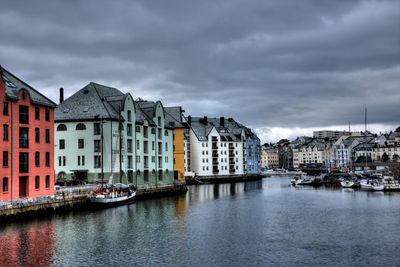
222, 121
189, 120
61, 95
205, 120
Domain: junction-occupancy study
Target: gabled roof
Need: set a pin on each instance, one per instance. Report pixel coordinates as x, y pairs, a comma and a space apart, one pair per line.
14, 85
170, 122
230, 130
93, 101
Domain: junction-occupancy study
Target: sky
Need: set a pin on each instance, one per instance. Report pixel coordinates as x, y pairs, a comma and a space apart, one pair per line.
283, 68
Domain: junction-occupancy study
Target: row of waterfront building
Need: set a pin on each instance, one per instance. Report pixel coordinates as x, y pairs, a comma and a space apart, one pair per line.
333, 149
100, 133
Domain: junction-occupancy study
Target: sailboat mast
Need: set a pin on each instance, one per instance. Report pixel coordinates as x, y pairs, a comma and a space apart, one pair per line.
120, 146
102, 158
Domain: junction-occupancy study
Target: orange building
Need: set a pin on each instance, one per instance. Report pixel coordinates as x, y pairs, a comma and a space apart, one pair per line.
27, 144
173, 117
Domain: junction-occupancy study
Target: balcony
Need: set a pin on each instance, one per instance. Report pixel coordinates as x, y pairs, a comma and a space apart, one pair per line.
215, 162
215, 170
215, 154
231, 170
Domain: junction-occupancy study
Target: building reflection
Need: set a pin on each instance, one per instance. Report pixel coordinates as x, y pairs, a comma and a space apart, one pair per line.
33, 245
201, 193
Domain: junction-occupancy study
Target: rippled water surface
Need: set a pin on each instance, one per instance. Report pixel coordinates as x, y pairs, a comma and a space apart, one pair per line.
264, 223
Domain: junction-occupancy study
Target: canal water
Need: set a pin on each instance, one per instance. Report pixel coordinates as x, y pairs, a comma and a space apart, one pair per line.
262, 223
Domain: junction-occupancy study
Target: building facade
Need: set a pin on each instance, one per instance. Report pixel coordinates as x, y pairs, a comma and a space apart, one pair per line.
217, 147
103, 134
27, 119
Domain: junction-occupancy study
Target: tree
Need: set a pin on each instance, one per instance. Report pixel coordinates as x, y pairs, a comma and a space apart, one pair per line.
385, 157
397, 129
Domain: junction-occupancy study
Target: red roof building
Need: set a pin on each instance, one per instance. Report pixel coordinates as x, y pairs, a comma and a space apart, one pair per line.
27, 140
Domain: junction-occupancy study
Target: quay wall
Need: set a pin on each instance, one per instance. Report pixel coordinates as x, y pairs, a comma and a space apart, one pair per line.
70, 198
218, 179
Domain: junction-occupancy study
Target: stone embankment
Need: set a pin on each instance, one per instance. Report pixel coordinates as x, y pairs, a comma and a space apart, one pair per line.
222, 179
70, 198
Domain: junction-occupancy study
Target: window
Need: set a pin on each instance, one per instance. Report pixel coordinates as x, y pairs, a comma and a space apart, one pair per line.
129, 129
153, 131
23, 114
79, 160
159, 120
81, 143
23, 162
130, 162
5, 132
137, 159
62, 144
37, 113
59, 161
47, 181
48, 159
83, 160
5, 184
5, 108
146, 146
97, 161
61, 127
97, 146
129, 115
37, 159
145, 130
47, 136
137, 129
137, 144
166, 147
96, 128
23, 137
153, 159
37, 181
64, 160
166, 133
37, 135
47, 114
152, 145
80, 127
159, 133
129, 145
5, 158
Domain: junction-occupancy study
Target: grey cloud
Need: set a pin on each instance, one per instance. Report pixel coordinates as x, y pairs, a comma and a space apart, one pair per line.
266, 63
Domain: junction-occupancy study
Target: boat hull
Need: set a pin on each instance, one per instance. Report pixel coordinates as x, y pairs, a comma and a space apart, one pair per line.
112, 202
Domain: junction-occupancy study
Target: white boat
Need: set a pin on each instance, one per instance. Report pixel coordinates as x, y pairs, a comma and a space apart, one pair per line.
347, 184
390, 184
378, 187
366, 185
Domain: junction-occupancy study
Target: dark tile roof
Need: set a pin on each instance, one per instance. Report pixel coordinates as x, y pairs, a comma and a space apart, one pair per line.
229, 131
91, 102
14, 85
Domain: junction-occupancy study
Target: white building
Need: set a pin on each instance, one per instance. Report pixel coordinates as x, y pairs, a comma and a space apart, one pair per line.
87, 138
216, 147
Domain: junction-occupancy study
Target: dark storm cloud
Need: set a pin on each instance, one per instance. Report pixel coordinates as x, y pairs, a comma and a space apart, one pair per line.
266, 63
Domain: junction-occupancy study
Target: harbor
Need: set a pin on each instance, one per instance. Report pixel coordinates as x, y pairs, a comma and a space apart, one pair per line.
268, 222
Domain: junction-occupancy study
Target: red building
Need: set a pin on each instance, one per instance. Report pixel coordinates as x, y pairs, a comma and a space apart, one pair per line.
27, 140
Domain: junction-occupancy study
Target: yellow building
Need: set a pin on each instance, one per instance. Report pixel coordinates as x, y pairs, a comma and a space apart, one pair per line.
270, 158
179, 154
173, 119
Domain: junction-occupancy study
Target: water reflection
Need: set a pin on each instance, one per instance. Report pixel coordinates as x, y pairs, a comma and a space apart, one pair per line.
214, 191
27, 245
263, 223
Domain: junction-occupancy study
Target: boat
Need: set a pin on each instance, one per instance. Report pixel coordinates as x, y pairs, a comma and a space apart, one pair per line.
350, 182
390, 184
112, 194
372, 185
